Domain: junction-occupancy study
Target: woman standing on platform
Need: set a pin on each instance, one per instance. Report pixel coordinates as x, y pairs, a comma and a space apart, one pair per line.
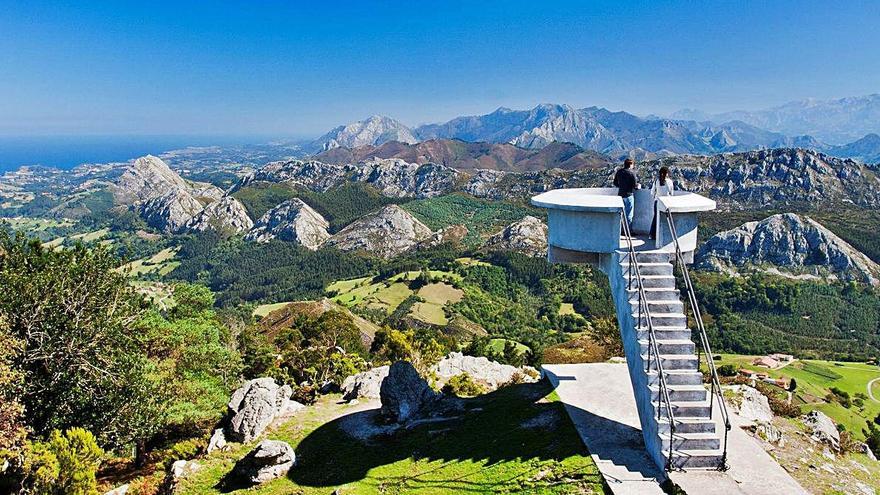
662, 187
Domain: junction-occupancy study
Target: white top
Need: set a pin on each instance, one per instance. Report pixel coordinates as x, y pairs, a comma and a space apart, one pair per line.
599, 199
666, 189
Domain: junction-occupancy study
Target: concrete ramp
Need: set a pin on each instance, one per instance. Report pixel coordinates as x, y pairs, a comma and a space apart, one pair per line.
599, 400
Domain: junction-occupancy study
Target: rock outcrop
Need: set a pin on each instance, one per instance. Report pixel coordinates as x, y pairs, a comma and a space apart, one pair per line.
405, 394
399, 179
754, 406
170, 212
179, 470
269, 460
365, 384
453, 234
293, 221
254, 405
227, 215
386, 233
482, 370
791, 244
147, 177
527, 236
822, 428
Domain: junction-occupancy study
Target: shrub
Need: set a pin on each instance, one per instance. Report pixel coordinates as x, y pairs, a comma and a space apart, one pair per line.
305, 394
727, 370
463, 386
65, 465
778, 404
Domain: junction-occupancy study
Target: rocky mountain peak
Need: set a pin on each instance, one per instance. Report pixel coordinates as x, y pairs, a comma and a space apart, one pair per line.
385, 233
226, 215
790, 244
145, 178
294, 221
374, 130
527, 236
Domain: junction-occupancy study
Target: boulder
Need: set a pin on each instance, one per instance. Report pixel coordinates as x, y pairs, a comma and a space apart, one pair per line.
269, 460
822, 428
217, 441
365, 384
253, 407
404, 393
865, 449
770, 433
480, 369
178, 471
754, 406
527, 236
119, 490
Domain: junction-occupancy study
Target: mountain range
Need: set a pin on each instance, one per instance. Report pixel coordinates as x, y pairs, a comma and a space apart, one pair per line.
833, 121
616, 134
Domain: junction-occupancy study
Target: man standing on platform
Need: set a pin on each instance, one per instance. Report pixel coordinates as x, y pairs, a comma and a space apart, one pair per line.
627, 182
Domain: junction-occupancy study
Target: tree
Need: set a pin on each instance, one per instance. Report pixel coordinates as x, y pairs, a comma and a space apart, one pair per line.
81, 363
65, 465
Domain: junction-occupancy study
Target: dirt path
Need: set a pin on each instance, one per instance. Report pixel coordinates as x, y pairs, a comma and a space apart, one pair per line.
871, 385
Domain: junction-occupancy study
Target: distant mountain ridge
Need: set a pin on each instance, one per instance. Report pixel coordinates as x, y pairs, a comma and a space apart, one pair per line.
833, 121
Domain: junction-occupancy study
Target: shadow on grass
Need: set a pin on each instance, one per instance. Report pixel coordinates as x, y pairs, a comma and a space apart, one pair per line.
511, 425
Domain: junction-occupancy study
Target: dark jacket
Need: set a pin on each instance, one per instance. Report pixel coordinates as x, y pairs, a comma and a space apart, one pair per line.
626, 181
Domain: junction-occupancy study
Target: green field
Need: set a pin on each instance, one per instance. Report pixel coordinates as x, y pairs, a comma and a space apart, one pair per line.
815, 378
386, 295
161, 263
497, 345
88, 237
481, 217
264, 309
510, 441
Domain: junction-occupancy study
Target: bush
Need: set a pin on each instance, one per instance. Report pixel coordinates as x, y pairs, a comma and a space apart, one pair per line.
65, 465
463, 386
778, 404
727, 370
305, 394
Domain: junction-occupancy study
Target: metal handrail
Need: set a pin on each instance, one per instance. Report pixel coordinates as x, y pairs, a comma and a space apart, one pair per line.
652, 340
707, 350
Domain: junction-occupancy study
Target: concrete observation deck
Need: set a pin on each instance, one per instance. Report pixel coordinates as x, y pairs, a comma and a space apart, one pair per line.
585, 222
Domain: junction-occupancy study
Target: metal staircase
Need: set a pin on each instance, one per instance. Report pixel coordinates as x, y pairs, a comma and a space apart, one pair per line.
664, 361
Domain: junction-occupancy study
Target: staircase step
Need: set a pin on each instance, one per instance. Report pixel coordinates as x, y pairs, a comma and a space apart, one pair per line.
687, 425
681, 393
673, 362
691, 441
670, 346
647, 257
657, 281
663, 332
655, 294
684, 459
662, 268
676, 377
684, 409
660, 319
661, 306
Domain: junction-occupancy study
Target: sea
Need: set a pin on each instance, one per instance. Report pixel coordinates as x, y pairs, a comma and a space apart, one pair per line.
68, 151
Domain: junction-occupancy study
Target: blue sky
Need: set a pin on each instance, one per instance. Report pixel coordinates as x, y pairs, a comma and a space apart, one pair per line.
296, 69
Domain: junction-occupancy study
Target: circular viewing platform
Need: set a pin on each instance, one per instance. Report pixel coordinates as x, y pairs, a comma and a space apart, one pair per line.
588, 219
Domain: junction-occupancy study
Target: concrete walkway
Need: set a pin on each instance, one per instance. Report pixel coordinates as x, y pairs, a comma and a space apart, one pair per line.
599, 400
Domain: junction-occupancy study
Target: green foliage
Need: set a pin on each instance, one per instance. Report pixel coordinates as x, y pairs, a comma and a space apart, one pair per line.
423, 347
82, 364
762, 314
239, 271
480, 216
840, 396
12, 431
342, 205
260, 197
727, 370
462, 385
64, 465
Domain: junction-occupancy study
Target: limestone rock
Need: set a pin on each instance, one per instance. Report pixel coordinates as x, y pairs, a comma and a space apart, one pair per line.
754, 406
217, 441
480, 369
310, 174
179, 470
226, 215
527, 236
822, 428
269, 460
453, 234
770, 433
405, 395
294, 221
253, 406
365, 384
145, 178
790, 243
400, 179
119, 490
386, 233
170, 212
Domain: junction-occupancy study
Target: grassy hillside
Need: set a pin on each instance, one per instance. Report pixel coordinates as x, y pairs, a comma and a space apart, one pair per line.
815, 379
481, 217
511, 441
